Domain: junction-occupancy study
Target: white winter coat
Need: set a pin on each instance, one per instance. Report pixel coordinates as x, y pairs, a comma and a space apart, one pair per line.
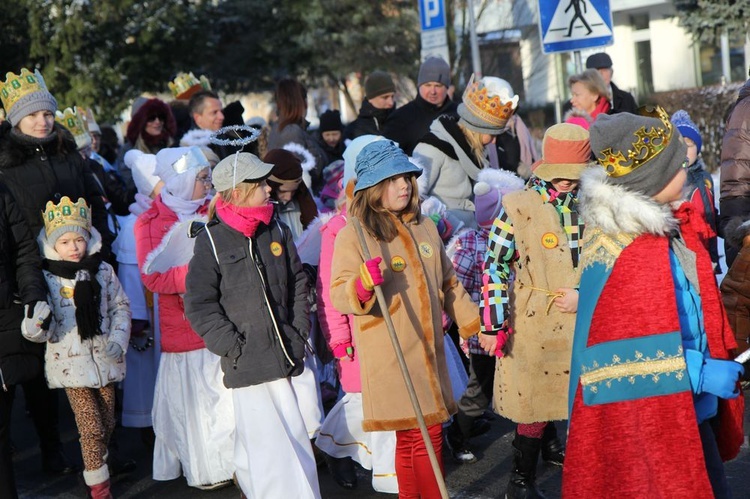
449, 180
69, 361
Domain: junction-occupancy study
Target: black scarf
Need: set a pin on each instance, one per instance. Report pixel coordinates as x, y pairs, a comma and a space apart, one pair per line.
87, 294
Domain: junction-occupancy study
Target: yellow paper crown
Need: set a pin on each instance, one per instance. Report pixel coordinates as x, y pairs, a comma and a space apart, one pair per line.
648, 144
66, 214
489, 108
186, 84
17, 86
73, 120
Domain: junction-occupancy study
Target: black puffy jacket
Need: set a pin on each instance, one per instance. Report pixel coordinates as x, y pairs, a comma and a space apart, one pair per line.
21, 282
39, 172
370, 121
247, 298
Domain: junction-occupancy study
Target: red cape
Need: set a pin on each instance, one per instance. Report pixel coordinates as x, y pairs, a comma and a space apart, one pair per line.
649, 447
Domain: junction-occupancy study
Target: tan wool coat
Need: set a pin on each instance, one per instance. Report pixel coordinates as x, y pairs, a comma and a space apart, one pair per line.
416, 293
531, 380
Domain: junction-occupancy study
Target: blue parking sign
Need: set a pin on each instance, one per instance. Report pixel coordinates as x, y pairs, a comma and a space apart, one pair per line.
432, 14
566, 25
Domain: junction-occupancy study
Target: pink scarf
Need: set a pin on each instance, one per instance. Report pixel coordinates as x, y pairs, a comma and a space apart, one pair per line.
244, 219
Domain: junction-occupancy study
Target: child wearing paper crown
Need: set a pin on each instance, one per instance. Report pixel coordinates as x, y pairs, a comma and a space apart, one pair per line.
655, 404
534, 245
466, 251
409, 262
247, 298
699, 181
452, 153
88, 333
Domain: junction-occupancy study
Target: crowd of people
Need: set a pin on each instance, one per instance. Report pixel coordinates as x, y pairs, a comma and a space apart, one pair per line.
367, 294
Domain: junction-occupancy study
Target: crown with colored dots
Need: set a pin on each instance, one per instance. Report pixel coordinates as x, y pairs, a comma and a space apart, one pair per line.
489, 108
649, 144
74, 121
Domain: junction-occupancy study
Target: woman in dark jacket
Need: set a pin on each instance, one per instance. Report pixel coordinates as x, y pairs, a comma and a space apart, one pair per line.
39, 163
291, 127
152, 128
21, 284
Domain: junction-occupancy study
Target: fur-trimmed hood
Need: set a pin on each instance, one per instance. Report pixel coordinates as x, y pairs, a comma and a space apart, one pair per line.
14, 152
614, 209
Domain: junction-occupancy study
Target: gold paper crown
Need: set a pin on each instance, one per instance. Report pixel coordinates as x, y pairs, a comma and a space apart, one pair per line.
186, 84
17, 86
648, 144
489, 108
73, 120
65, 214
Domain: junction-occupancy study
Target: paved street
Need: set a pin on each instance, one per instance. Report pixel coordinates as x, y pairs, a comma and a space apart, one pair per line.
484, 479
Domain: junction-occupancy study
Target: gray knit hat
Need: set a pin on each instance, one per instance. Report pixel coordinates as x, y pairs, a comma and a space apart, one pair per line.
25, 94
434, 69
378, 83
640, 153
237, 168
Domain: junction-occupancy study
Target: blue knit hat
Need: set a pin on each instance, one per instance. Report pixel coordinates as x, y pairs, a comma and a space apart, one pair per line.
688, 129
380, 160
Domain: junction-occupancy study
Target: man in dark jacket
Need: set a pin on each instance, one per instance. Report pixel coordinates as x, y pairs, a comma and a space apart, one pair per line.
622, 101
378, 105
409, 123
21, 284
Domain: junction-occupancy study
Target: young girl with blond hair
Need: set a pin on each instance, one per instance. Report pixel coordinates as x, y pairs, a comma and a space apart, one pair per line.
247, 297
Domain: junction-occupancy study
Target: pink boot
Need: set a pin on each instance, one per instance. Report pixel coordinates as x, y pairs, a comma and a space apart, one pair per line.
98, 483
100, 491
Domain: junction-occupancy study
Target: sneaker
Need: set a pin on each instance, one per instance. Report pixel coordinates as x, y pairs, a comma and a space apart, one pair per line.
459, 450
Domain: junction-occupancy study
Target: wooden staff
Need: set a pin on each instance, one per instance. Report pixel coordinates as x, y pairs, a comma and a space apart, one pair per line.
404, 370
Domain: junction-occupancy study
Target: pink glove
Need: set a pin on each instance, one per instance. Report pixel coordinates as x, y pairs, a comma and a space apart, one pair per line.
502, 339
369, 277
344, 350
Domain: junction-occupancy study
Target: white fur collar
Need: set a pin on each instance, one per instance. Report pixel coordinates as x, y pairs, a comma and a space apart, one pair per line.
48, 251
614, 209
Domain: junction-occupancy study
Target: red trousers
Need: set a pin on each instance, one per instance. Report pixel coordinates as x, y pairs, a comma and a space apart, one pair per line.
413, 469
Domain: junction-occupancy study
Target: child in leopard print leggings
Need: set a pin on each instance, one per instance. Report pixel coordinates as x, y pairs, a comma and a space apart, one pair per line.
86, 333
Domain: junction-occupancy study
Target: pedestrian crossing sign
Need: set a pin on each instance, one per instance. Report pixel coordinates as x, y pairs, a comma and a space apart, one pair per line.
566, 25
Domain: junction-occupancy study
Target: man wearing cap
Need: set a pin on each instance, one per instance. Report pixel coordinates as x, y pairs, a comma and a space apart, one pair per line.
622, 101
409, 123
378, 105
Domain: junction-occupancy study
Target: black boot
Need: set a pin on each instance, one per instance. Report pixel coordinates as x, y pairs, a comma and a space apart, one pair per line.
343, 471
525, 457
553, 450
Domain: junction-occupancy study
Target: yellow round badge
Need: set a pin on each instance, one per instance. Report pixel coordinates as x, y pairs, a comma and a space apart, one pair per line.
66, 292
425, 249
549, 240
398, 264
276, 248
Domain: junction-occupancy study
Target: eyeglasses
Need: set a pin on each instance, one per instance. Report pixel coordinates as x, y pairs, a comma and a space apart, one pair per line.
154, 118
204, 180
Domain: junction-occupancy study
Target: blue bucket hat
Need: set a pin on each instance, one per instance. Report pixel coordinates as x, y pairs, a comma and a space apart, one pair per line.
380, 160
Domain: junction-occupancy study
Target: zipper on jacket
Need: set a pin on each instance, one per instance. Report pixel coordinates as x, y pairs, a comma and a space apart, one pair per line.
2, 380
268, 304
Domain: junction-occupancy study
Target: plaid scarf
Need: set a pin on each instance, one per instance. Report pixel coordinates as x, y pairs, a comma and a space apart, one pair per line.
566, 204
